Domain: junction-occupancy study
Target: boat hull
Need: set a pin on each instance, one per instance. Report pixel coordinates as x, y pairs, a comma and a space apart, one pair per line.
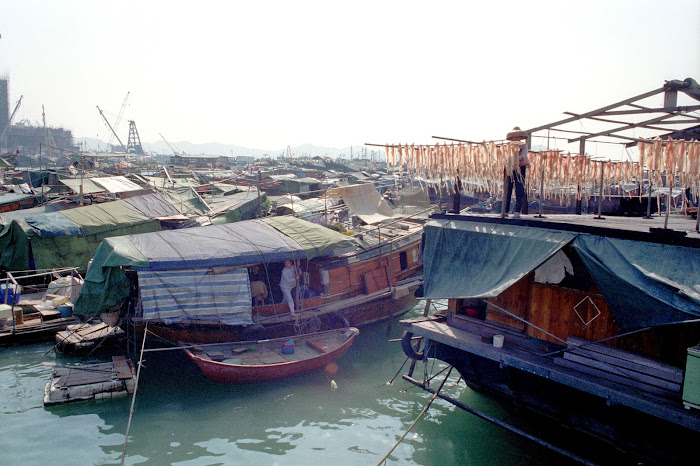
238, 373
356, 312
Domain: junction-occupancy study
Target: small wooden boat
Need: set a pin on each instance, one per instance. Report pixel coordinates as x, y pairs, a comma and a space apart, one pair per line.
257, 361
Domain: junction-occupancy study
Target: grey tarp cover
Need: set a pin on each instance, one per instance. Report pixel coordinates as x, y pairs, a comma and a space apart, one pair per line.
364, 201
152, 205
645, 284
230, 245
481, 260
7, 217
53, 224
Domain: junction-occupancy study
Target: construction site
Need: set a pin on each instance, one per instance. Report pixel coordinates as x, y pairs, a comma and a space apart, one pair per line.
23, 136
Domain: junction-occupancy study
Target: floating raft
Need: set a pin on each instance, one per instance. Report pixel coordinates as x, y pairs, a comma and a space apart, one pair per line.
81, 337
90, 382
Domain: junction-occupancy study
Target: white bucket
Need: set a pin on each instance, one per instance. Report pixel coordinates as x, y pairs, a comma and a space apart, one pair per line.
498, 341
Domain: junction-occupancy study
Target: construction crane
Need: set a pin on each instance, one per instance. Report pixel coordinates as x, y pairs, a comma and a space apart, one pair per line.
110, 127
9, 122
134, 145
119, 118
171, 147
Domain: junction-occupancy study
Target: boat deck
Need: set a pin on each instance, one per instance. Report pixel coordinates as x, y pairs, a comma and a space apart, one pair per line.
268, 353
532, 355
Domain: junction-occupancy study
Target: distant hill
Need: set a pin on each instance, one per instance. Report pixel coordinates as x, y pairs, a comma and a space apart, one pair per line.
213, 148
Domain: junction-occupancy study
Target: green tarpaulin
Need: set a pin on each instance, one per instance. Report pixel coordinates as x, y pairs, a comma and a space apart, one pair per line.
481, 260
316, 240
645, 284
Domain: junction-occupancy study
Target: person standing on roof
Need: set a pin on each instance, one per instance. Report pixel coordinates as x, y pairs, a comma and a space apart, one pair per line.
456, 196
289, 281
517, 177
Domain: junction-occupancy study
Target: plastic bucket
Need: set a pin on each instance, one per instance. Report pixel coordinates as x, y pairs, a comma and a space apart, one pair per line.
13, 293
288, 347
498, 341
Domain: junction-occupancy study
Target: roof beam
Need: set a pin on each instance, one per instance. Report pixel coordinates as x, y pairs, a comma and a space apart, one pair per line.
599, 110
641, 124
685, 109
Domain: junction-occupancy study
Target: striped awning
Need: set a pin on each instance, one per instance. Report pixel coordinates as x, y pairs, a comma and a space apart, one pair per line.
194, 295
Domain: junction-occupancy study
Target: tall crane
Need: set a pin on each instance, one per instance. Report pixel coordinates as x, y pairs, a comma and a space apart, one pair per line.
171, 147
9, 122
111, 129
119, 118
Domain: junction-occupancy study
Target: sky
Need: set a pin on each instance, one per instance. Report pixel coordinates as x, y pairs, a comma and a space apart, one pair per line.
271, 74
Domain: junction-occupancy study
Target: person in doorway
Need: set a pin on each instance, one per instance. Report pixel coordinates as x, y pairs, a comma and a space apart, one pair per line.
289, 281
456, 196
517, 178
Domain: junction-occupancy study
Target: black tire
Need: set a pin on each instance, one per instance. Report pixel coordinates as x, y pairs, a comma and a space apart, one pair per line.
408, 349
337, 321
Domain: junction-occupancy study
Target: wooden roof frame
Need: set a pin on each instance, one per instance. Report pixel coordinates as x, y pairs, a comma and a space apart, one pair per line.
670, 119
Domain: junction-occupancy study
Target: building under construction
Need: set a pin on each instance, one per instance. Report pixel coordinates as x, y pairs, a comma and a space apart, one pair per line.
24, 137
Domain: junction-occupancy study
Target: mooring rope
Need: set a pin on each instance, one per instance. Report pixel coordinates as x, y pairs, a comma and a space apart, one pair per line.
425, 410
133, 398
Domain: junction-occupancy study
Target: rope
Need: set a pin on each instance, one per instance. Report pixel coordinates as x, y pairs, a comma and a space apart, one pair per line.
133, 398
425, 410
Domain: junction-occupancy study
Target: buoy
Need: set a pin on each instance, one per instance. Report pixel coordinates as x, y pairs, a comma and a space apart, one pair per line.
332, 368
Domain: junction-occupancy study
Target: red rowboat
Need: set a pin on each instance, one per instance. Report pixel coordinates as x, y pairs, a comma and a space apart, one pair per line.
257, 361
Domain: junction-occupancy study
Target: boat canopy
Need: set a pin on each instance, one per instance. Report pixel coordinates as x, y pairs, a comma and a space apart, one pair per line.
481, 260
70, 237
364, 201
249, 242
645, 284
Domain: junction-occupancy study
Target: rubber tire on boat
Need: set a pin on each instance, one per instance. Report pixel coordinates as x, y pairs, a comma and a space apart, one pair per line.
408, 349
337, 321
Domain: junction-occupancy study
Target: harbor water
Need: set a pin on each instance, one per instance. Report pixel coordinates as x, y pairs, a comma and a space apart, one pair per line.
182, 418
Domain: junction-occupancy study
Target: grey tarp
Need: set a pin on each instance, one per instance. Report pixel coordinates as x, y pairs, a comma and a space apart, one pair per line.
645, 284
481, 260
152, 205
53, 224
230, 244
364, 201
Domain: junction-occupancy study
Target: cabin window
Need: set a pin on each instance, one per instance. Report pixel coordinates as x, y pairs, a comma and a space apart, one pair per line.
403, 259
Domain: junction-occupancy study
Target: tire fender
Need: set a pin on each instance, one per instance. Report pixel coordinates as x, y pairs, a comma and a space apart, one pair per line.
408, 349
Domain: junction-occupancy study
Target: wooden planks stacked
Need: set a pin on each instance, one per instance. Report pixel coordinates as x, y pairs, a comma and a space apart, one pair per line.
622, 367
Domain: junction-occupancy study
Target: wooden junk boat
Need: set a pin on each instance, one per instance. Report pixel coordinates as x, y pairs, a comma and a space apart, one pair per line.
593, 323
258, 361
195, 285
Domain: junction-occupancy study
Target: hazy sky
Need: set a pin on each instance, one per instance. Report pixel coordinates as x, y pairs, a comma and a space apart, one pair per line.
267, 74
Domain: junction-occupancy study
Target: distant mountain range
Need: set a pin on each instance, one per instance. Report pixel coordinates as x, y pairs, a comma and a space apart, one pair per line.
213, 148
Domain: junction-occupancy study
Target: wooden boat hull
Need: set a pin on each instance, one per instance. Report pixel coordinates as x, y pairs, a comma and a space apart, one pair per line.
239, 373
356, 312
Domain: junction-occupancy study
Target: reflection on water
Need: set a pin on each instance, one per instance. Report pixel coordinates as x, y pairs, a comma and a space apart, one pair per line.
181, 417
